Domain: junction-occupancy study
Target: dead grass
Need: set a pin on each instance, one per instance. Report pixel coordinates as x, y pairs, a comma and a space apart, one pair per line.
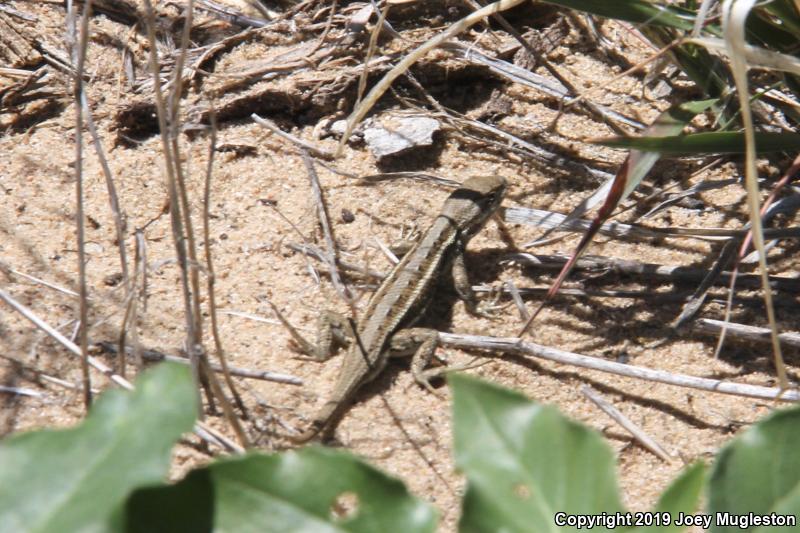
260, 204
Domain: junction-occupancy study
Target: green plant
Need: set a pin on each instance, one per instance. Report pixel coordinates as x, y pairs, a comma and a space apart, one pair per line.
526, 466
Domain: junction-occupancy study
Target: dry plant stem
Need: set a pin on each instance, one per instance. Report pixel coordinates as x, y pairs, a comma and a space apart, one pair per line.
649, 271
666, 297
785, 179
324, 222
176, 223
315, 252
79, 55
621, 75
373, 44
227, 408
550, 68
744, 331
637, 432
140, 266
263, 375
383, 85
305, 145
517, 299
591, 263
6, 269
311, 271
21, 391
194, 346
203, 431
734, 14
693, 306
233, 16
619, 230
40, 375
212, 303
516, 346
117, 215
328, 26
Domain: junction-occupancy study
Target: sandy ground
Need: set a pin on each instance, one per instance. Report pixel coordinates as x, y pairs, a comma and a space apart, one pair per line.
261, 202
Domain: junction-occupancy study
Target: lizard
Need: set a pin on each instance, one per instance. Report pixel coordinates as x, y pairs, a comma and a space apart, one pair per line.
387, 327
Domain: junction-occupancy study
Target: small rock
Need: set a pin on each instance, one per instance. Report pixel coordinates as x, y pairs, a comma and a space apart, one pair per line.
395, 135
335, 128
112, 280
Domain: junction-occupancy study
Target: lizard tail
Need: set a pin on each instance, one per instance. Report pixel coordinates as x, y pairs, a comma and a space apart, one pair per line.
324, 417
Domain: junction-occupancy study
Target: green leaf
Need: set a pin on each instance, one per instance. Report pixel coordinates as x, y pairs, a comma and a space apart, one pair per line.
526, 462
682, 496
786, 12
724, 142
73, 480
638, 11
313, 489
759, 472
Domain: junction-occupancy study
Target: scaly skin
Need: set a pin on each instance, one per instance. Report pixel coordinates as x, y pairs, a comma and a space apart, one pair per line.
406, 292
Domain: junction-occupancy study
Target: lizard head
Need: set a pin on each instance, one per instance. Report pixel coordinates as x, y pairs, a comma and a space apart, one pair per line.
471, 205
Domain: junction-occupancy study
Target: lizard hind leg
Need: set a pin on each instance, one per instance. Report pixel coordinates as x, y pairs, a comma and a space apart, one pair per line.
421, 344
333, 330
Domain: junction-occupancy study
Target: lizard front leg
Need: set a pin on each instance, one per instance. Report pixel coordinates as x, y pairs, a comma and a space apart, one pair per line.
463, 287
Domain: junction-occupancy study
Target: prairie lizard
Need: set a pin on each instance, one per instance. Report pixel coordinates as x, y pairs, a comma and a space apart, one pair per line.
386, 329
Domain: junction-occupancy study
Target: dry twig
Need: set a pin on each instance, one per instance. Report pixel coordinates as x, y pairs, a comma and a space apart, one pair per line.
516, 346
638, 433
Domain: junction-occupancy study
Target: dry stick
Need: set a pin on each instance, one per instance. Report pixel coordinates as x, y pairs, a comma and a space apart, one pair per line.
305, 145
176, 223
638, 66
40, 375
785, 179
80, 52
263, 375
649, 270
312, 272
6, 269
324, 222
211, 280
733, 22
619, 230
615, 414
693, 306
195, 349
672, 296
234, 16
539, 57
373, 44
383, 85
312, 251
140, 265
119, 219
202, 430
743, 331
328, 26
517, 299
21, 391
516, 346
